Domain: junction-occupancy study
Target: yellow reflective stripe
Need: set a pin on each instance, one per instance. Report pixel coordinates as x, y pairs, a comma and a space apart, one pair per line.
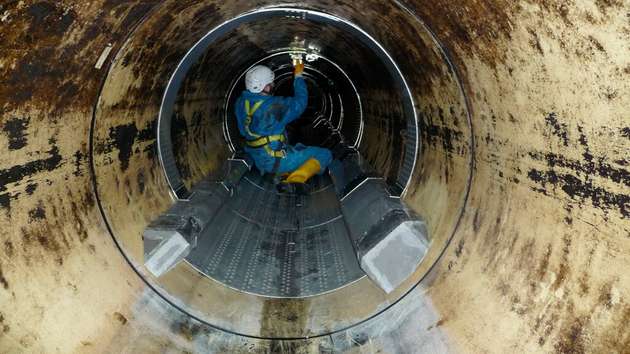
250, 113
249, 110
273, 153
265, 140
248, 121
262, 141
256, 106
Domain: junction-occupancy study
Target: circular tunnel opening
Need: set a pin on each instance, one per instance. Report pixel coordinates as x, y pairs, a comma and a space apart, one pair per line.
298, 245
334, 104
265, 256
270, 36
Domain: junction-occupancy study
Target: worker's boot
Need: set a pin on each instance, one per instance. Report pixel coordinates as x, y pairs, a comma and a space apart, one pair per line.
308, 169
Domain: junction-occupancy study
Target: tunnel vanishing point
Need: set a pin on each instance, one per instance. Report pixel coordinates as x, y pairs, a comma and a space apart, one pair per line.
503, 125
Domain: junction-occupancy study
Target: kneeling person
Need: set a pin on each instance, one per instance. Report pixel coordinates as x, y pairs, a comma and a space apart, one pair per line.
262, 120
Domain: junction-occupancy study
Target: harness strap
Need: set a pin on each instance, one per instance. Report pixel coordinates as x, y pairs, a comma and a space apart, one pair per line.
262, 141
265, 140
250, 113
278, 154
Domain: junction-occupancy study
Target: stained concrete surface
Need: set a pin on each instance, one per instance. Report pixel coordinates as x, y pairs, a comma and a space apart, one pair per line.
538, 260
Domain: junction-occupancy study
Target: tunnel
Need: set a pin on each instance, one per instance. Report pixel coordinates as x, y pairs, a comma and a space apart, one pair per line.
502, 128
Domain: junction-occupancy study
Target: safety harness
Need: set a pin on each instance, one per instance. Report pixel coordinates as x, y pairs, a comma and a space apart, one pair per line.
261, 141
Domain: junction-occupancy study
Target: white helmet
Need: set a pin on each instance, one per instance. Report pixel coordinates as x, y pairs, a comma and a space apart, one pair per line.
258, 77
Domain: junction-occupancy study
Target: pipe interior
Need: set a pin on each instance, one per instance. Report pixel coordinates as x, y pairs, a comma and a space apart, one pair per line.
211, 84
317, 253
381, 96
521, 173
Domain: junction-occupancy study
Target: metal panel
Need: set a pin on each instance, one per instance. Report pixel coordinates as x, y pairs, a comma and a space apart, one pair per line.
349, 172
366, 206
235, 168
412, 147
278, 245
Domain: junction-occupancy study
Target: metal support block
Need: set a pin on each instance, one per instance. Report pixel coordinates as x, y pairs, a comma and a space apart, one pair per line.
171, 237
397, 255
349, 172
390, 240
366, 206
164, 248
235, 168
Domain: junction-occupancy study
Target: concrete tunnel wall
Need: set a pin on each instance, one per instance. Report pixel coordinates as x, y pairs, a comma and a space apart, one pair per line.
538, 260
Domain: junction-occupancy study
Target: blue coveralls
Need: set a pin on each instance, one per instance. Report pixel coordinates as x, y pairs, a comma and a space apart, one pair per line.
271, 118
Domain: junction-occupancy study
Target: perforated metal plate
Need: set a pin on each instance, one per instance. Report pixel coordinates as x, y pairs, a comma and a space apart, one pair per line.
278, 245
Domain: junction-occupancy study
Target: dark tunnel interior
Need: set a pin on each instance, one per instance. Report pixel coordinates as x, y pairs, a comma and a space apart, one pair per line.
338, 85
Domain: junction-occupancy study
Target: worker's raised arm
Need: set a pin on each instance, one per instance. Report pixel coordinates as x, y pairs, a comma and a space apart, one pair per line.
296, 104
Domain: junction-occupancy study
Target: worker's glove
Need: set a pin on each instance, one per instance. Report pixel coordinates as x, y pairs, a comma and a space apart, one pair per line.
298, 70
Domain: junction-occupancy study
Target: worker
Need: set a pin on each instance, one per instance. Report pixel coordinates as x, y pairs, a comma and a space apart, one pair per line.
262, 119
